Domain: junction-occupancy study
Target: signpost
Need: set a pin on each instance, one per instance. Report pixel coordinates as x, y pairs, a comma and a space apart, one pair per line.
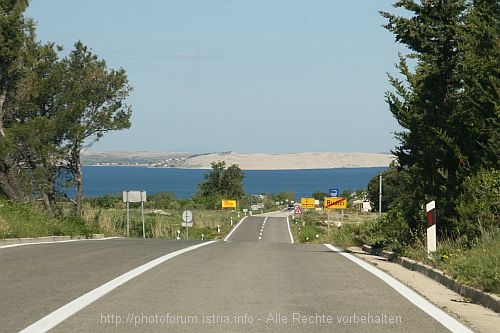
330, 203
335, 203
187, 217
307, 203
228, 204
135, 196
333, 192
297, 210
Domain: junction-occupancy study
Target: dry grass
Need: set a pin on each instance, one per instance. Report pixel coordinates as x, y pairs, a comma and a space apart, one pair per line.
159, 223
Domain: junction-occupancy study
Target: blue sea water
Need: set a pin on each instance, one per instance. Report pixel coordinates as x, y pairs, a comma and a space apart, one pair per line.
183, 183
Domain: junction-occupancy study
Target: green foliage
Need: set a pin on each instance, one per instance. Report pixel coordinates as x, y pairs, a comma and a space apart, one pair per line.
163, 200
392, 232
219, 184
50, 109
479, 205
27, 220
308, 233
282, 197
319, 195
477, 266
446, 101
394, 183
106, 201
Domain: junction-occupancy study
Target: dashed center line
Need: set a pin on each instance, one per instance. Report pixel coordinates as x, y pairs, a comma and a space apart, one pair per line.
262, 228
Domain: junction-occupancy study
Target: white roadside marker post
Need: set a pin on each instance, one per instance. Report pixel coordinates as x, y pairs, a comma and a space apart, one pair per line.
430, 209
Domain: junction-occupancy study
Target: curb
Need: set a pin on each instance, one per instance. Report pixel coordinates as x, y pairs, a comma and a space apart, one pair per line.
46, 239
487, 300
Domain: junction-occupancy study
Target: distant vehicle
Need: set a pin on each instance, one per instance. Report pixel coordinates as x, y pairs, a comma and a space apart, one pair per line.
291, 207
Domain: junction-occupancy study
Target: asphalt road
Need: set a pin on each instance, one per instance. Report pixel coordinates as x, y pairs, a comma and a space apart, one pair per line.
244, 284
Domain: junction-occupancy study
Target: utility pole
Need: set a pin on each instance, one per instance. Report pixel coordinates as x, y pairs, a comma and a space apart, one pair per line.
380, 195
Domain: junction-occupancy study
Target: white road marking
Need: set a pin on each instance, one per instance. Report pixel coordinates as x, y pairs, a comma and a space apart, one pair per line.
289, 231
262, 229
234, 229
56, 241
442, 317
64, 312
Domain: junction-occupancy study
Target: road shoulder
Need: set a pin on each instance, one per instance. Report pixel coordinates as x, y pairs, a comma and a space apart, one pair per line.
479, 318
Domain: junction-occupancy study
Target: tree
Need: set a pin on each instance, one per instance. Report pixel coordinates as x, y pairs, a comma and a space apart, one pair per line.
221, 183
394, 183
481, 93
29, 144
12, 35
447, 102
319, 195
50, 109
90, 104
427, 104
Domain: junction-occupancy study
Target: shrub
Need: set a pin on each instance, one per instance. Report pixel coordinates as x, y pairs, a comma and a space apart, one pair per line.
479, 205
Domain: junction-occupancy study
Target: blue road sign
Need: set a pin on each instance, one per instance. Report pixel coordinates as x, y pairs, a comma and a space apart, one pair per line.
333, 192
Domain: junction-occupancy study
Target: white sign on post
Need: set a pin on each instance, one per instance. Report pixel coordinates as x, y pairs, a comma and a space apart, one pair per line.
135, 196
187, 218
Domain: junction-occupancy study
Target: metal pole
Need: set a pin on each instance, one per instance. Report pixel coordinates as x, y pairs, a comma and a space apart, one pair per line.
380, 196
128, 218
142, 213
185, 219
328, 220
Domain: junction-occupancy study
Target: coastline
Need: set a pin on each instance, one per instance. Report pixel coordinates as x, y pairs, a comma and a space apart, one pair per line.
250, 161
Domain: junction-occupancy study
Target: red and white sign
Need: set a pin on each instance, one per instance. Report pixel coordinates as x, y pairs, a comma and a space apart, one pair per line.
297, 210
335, 203
430, 209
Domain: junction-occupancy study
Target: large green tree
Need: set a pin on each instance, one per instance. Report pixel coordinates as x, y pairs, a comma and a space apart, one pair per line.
445, 98
91, 103
481, 85
220, 183
13, 31
50, 109
394, 184
34, 130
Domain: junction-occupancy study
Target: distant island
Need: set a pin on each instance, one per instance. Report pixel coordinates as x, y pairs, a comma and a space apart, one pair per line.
252, 161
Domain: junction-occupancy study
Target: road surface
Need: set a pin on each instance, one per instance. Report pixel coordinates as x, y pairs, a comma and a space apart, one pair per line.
257, 280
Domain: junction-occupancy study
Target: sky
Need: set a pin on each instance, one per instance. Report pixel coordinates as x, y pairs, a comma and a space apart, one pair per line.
249, 76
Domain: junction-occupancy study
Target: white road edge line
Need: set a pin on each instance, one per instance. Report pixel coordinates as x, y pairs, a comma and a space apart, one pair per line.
289, 231
442, 317
55, 242
234, 229
64, 312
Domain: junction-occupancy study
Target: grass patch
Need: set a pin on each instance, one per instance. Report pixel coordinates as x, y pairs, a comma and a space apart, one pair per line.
477, 266
348, 229
19, 220
160, 223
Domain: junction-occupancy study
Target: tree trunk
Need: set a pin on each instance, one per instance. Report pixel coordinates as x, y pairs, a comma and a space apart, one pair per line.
10, 187
3, 96
47, 204
49, 194
77, 170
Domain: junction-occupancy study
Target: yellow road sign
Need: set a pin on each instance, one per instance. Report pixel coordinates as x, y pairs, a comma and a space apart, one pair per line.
335, 203
228, 203
307, 202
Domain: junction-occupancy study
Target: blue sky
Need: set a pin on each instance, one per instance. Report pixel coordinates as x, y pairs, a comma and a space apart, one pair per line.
239, 75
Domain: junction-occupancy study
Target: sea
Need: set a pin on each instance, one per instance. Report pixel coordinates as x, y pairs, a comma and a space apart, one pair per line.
183, 183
